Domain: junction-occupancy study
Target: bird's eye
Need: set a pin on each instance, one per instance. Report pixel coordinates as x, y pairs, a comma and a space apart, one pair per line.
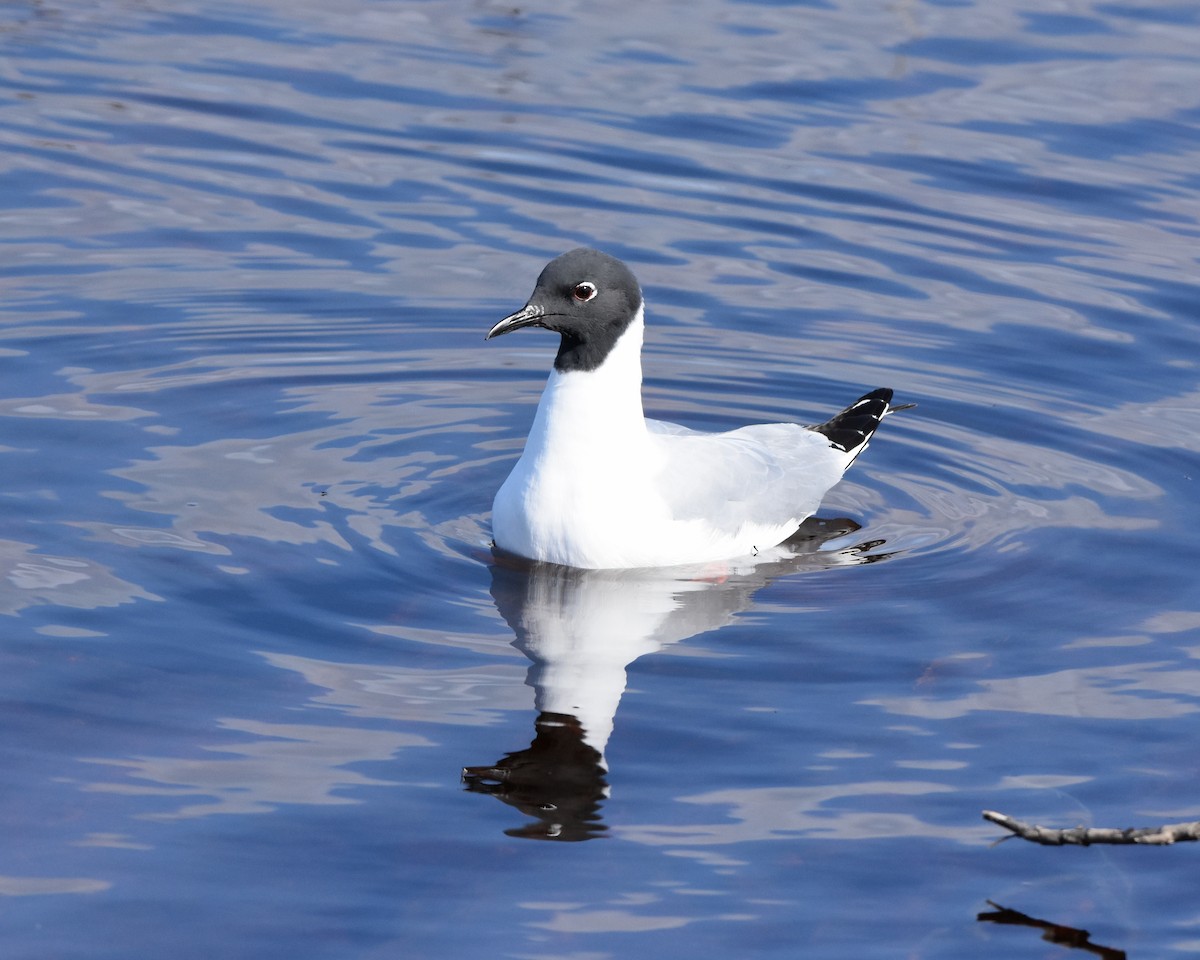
583, 292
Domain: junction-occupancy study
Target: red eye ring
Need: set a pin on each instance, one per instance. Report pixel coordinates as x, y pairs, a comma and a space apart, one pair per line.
585, 291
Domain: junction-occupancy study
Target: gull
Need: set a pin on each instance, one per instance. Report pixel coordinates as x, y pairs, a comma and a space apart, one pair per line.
600, 486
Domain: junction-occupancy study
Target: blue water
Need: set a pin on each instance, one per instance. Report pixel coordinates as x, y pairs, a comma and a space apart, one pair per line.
253, 627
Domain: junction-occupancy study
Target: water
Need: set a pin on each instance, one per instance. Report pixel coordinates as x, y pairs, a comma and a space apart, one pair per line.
251, 434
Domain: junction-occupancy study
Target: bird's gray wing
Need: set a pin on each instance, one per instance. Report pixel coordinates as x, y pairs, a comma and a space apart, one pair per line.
766, 473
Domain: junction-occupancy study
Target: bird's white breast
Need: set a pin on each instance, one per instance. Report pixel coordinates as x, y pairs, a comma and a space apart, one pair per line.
582, 493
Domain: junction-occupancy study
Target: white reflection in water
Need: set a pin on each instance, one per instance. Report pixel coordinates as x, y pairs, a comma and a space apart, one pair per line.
68, 406
33, 578
111, 841
42, 886
580, 630
1110, 693
815, 812
1169, 422
283, 763
475, 695
569, 918
231, 487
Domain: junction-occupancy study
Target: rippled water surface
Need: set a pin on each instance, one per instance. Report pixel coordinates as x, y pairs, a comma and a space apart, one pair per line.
254, 630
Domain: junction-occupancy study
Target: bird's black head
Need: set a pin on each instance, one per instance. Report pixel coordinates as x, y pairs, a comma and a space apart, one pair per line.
587, 297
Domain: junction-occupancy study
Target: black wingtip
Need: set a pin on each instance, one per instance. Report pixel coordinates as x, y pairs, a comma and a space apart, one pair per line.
853, 427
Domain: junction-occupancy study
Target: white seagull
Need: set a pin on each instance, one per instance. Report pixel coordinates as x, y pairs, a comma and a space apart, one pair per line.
599, 486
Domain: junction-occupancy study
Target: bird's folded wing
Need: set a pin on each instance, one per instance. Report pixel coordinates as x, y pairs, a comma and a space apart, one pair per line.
762, 474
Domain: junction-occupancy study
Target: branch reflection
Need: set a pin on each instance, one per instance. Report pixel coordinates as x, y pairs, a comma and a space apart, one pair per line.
1071, 937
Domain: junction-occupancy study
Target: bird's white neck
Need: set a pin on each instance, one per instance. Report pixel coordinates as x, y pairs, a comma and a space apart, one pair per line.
601, 407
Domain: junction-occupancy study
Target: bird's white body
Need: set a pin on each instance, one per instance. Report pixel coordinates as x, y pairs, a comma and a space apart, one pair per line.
598, 486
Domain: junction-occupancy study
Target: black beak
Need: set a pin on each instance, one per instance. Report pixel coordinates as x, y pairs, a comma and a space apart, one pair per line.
529, 315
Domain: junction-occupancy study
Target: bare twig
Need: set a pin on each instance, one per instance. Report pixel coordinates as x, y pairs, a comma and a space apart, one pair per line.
1085, 836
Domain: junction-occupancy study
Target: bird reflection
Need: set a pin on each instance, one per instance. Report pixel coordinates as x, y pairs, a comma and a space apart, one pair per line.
580, 629
558, 780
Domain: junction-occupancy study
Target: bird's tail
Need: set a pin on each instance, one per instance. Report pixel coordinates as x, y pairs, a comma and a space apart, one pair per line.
853, 427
